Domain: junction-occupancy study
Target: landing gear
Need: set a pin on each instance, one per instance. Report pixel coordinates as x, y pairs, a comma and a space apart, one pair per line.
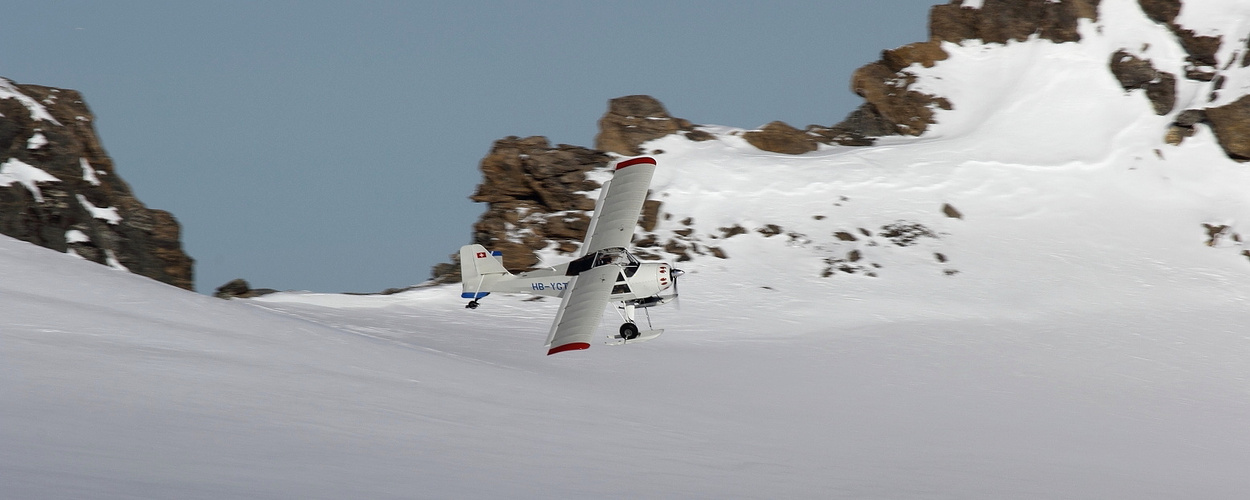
471, 305
629, 331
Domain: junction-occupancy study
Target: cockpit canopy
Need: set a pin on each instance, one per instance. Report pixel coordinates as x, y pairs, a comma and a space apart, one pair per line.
603, 257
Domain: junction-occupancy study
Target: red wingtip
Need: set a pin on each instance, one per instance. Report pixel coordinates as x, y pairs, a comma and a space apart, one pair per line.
635, 161
569, 347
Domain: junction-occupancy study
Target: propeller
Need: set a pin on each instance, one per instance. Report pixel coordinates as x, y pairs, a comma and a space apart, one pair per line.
674, 273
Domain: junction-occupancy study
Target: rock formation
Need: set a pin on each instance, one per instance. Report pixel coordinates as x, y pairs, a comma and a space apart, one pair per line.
536, 198
241, 289
1136, 73
633, 120
1231, 124
779, 137
59, 189
536, 192
892, 108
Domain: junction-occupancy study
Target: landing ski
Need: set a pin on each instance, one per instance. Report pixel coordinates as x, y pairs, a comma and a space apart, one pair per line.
642, 337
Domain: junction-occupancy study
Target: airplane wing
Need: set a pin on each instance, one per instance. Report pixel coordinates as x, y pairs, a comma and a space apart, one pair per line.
581, 309
620, 204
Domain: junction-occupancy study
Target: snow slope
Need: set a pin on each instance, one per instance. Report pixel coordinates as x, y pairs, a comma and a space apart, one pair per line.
1081, 336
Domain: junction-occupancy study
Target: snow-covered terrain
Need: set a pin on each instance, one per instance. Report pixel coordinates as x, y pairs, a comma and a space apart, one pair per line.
1076, 330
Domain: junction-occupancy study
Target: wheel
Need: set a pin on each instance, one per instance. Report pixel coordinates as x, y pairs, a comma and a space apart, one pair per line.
629, 331
471, 305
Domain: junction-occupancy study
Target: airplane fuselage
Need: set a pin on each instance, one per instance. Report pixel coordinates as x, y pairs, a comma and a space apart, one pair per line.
635, 282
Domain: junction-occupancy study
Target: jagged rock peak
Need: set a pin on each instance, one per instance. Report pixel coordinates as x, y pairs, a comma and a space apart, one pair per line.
59, 189
633, 120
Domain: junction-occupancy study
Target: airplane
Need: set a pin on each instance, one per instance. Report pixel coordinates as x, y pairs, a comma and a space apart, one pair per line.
604, 272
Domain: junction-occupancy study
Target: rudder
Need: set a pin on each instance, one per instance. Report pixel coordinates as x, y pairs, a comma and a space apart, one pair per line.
479, 268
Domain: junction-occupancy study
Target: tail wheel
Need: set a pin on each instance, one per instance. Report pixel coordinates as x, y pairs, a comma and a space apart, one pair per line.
629, 331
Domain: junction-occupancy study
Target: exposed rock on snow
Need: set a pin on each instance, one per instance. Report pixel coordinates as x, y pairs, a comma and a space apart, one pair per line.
538, 197
779, 137
240, 288
1135, 73
1231, 124
893, 108
963, 80
633, 120
50, 130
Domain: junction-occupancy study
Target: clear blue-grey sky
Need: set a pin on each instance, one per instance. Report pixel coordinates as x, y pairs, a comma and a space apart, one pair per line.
332, 146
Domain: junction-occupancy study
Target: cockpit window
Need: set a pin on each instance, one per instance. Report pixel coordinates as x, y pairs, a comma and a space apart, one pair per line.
603, 257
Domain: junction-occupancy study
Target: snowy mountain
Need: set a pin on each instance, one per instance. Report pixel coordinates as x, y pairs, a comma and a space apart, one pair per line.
1038, 297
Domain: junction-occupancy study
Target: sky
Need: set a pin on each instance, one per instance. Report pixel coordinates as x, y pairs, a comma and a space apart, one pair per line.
332, 146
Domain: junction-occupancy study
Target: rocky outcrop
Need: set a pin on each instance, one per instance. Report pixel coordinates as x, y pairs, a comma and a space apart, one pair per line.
633, 120
1200, 50
240, 289
1000, 21
1136, 73
537, 192
779, 137
893, 108
536, 199
1231, 124
59, 189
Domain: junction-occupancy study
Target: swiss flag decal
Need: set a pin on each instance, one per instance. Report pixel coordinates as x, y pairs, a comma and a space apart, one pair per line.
481, 255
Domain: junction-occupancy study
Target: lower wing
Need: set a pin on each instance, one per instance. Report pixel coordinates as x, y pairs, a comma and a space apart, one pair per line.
581, 309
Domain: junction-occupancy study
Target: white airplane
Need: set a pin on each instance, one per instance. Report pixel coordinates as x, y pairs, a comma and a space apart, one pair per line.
604, 272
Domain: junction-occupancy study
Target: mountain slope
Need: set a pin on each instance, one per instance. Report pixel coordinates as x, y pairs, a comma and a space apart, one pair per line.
150, 392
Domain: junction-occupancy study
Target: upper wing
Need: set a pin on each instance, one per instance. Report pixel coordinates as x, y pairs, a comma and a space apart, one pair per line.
581, 309
616, 213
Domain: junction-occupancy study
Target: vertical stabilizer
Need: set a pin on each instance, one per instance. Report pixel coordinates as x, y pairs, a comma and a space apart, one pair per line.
479, 270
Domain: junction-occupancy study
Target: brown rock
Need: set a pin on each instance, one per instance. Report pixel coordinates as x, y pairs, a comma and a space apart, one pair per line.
145, 241
891, 107
1136, 73
779, 137
950, 211
536, 196
909, 111
633, 120
925, 53
953, 23
1161, 11
1201, 49
699, 135
650, 215
729, 232
1131, 71
1231, 124
1190, 117
239, 288
998, 21
857, 129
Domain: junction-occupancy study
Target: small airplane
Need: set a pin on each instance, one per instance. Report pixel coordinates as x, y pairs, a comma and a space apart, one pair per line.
604, 272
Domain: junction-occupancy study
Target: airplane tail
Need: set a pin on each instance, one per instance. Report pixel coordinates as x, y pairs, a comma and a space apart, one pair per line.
480, 269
